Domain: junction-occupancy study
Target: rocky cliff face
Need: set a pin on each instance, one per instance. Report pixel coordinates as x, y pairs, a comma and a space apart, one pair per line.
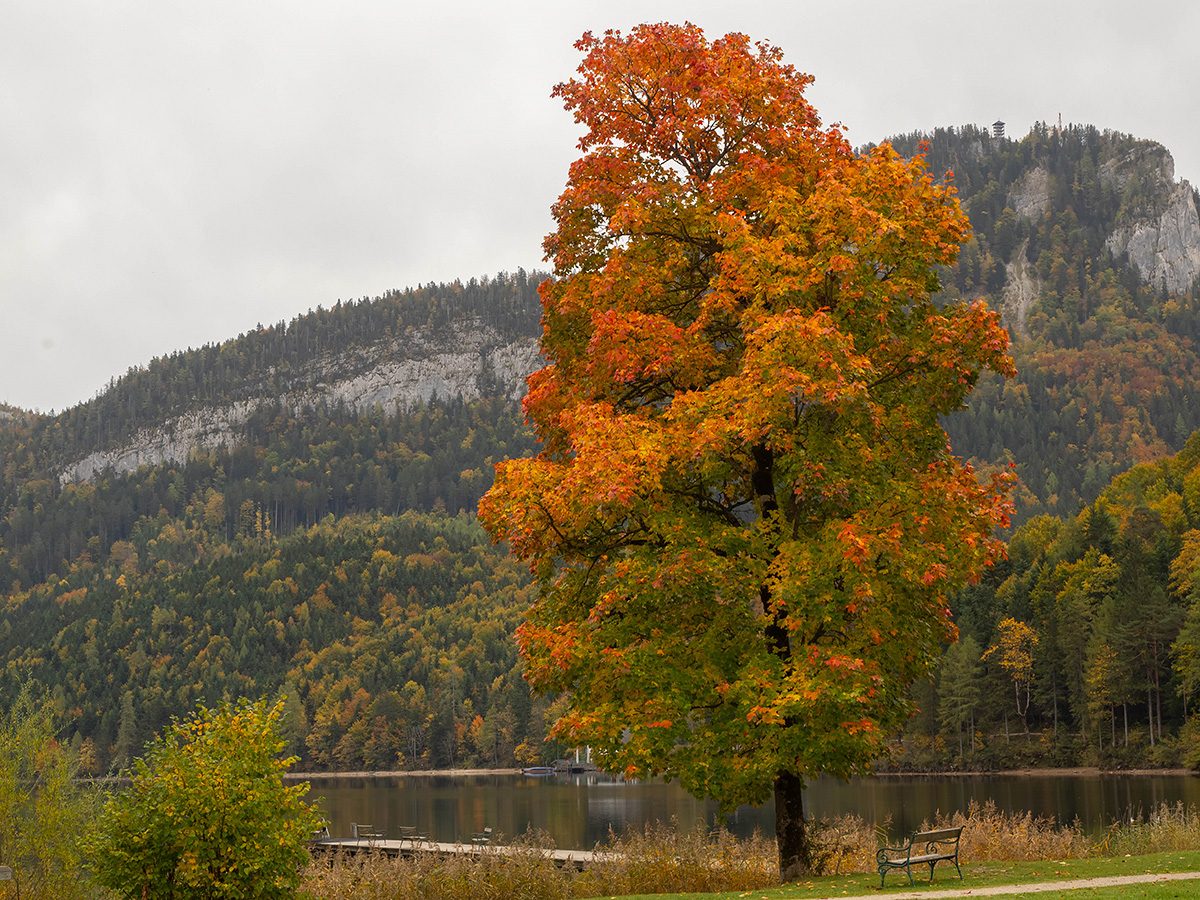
1021, 289
1163, 242
1165, 248
465, 363
1029, 196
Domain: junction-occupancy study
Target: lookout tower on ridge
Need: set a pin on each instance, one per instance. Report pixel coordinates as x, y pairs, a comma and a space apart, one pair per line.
997, 129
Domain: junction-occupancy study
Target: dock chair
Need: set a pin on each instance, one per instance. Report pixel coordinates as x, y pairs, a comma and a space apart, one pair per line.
365, 832
411, 836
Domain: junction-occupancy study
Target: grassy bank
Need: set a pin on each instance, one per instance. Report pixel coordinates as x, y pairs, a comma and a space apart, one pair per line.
997, 849
980, 875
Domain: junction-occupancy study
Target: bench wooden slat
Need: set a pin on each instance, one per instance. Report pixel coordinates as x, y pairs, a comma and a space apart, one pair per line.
945, 834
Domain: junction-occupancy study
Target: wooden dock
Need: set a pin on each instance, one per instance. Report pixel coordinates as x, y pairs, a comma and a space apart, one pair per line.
580, 859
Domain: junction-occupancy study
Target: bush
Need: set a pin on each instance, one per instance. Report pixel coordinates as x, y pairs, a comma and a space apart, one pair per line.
44, 812
208, 815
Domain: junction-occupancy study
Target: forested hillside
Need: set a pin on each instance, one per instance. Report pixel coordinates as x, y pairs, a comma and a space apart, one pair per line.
1088, 636
329, 553
390, 635
293, 466
1104, 321
291, 540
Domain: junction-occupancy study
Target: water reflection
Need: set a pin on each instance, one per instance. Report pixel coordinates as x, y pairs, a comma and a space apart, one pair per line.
579, 810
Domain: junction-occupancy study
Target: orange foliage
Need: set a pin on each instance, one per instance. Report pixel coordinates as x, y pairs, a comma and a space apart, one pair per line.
745, 515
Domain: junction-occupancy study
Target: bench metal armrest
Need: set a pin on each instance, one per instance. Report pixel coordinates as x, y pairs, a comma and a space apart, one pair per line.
883, 854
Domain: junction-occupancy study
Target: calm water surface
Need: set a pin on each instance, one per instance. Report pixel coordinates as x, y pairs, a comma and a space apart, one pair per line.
578, 810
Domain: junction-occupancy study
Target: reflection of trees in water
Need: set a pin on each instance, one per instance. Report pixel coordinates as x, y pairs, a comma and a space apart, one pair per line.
578, 810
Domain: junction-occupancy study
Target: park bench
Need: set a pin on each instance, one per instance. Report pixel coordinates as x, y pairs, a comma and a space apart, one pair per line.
482, 838
930, 847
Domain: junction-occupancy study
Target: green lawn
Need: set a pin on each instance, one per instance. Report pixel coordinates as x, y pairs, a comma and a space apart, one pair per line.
1177, 890
992, 874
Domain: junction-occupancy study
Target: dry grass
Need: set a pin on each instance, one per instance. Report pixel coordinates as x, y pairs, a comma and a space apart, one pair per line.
666, 860
528, 873
993, 836
1166, 828
848, 844
661, 859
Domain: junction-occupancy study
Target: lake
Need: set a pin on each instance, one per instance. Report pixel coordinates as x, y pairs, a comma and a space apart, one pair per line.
578, 810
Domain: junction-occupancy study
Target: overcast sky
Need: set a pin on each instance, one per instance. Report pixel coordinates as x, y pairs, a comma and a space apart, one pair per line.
172, 173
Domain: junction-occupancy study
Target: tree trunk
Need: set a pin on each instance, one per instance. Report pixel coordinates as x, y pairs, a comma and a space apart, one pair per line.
791, 835
1056, 715
1158, 702
1150, 710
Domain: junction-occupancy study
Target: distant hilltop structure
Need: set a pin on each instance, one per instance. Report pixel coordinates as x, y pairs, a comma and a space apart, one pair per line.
998, 129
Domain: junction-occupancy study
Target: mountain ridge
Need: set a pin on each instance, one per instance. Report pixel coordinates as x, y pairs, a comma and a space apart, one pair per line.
294, 506
1153, 226
448, 366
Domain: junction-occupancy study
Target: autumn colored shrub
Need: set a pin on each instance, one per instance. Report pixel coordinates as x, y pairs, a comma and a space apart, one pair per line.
208, 815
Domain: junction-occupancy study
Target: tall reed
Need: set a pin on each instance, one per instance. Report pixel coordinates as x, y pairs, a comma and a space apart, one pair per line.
664, 859
1166, 828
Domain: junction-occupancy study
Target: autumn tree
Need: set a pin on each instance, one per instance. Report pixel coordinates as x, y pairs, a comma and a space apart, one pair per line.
744, 515
1014, 648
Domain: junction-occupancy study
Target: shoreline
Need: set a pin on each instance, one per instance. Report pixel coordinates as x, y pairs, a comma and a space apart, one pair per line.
1071, 771
399, 773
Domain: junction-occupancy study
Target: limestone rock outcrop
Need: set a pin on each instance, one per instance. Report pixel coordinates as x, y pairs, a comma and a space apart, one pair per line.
1021, 289
466, 363
1029, 196
1166, 248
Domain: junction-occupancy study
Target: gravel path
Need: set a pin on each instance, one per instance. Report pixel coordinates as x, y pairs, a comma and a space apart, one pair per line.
1038, 887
